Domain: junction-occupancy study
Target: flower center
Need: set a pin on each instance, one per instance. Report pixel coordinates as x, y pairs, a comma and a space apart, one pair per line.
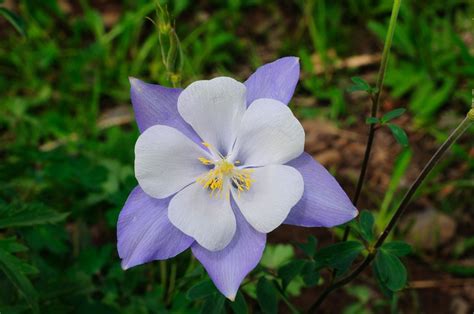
223, 173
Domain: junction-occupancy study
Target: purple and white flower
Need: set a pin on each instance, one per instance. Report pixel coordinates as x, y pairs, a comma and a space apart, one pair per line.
219, 165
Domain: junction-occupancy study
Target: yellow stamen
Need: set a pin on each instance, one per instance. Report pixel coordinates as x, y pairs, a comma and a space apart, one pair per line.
213, 150
223, 173
205, 161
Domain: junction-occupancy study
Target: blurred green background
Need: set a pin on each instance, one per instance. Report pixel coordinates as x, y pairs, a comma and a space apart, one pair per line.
67, 135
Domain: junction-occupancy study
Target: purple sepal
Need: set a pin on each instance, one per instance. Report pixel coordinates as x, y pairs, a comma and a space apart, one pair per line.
276, 80
228, 267
155, 104
324, 203
144, 232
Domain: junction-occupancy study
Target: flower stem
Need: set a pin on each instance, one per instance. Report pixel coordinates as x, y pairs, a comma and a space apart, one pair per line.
171, 286
462, 127
375, 105
164, 277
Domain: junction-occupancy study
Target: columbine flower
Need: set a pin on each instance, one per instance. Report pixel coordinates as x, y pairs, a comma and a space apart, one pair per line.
219, 165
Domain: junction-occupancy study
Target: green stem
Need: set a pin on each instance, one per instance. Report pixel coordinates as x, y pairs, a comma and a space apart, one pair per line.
292, 308
164, 279
462, 127
318, 42
375, 105
172, 283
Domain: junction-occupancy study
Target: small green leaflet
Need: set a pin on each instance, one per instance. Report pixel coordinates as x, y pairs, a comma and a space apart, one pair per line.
309, 247
14, 272
310, 273
339, 255
214, 304
10, 245
277, 255
366, 224
239, 306
391, 272
386, 117
372, 120
399, 134
21, 215
201, 290
267, 296
397, 248
289, 271
359, 85
392, 114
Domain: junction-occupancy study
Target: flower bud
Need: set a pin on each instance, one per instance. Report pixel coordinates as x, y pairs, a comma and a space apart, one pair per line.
170, 46
174, 60
470, 114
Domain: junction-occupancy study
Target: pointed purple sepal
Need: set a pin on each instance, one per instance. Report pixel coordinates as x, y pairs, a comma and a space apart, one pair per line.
228, 267
144, 232
275, 80
324, 202
155, 104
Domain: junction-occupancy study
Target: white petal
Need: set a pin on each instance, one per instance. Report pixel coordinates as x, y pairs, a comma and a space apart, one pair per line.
209, 220
276, 190
269, 134
166, 161
214, 109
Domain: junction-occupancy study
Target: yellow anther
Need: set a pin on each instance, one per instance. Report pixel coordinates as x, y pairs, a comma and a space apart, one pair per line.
205, 161
214, 151
224, 172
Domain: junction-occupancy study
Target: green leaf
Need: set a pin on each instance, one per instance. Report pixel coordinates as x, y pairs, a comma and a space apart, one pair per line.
393, 114
399, 134
201, 290
372, 120
276, 255
289, 271
309, 248
295, 286
355, 88
397, 248
10, 245
458, 270
21, 215
399, 168
362, 293
391, 270
14, 20
91, 260
214, 304
339, 255
9, 266
267, 296
366, 223
310, 273
387, 292
359, 85
359, 81
239, 306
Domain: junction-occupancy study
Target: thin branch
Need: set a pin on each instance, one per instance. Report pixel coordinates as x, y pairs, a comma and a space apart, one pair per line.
375, 105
